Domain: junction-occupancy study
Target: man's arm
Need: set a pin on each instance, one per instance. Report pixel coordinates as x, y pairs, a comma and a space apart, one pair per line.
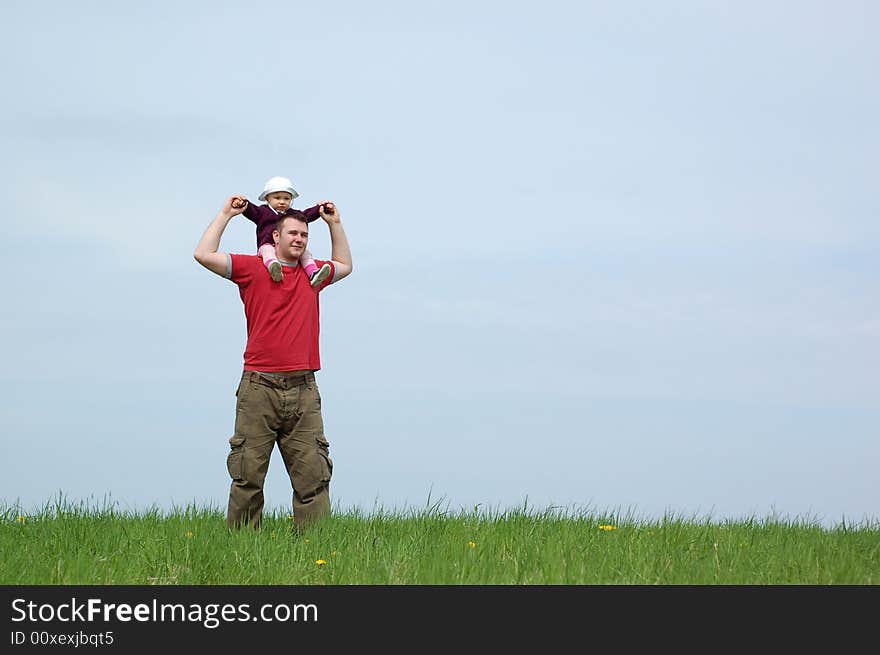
341, 253
206, 251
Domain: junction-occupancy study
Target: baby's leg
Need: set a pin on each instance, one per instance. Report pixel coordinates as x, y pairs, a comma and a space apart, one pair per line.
267, 252
316, 275
308, 263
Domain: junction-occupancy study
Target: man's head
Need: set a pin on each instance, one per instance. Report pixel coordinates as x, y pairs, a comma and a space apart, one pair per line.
291, 235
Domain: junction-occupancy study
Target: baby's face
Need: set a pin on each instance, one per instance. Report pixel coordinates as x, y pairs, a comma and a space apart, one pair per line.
279, 200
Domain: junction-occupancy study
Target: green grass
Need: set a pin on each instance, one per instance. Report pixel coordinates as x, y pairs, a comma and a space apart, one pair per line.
71, 544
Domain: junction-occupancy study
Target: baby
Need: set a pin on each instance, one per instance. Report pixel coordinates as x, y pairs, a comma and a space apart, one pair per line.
278, 194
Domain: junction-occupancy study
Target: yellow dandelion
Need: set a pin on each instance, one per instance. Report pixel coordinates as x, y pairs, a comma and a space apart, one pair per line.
320, 562
189, 533
289, 517
21, 519
607, 527
472, 544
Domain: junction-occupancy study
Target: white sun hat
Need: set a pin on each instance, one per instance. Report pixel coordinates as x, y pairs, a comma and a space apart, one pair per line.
278, 184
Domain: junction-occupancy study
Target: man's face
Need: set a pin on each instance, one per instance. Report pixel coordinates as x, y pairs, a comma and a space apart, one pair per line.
279, 201
291, 241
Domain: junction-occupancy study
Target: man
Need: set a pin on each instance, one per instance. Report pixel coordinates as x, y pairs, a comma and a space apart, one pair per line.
278, 399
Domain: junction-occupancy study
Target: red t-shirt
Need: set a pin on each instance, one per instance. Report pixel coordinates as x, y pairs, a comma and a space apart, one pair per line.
283, 318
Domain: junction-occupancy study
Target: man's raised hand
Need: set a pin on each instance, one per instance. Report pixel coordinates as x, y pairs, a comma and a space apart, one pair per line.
235, 205
329, 212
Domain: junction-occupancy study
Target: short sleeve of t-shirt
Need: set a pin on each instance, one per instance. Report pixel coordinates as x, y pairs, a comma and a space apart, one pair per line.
240, 268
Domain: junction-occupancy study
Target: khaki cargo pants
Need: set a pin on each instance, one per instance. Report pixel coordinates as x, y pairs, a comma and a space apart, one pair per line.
284, 409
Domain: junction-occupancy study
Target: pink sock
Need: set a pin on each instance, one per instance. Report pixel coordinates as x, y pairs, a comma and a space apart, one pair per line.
267, 252
310, 267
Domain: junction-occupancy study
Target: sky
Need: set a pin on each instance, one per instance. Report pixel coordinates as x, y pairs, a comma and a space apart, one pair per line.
613, 257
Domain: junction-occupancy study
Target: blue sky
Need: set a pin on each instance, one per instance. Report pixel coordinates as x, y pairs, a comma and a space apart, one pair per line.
620, 256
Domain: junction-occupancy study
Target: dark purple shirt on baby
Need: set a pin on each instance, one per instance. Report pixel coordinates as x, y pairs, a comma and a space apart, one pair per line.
265, 217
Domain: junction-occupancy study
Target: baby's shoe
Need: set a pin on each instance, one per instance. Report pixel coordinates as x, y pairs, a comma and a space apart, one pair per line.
275, 270
320, 275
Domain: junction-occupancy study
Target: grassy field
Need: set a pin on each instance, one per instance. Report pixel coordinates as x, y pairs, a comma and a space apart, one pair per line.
70, 544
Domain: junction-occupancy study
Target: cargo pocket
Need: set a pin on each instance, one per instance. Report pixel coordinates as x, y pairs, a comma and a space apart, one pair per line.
235, 459
324, 456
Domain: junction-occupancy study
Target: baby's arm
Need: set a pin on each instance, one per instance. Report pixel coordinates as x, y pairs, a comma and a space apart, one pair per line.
250, 210
312, 213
